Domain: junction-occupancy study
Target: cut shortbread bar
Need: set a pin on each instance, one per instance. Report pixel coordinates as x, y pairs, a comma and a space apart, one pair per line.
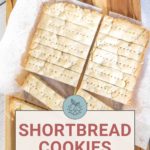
13, 104
66, 29
121, 63
119, 47
52, 71
50, 98
60, 46
116, 59
19, 104
38, 89
73, 13
124, 30
59, 58
105, 89
109, 75
83, 48
92, 102
51, 40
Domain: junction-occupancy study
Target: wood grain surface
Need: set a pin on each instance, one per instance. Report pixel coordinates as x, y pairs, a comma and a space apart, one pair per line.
130, 8
9, 7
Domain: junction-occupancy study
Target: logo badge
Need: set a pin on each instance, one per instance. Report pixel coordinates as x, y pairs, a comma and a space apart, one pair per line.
75, 107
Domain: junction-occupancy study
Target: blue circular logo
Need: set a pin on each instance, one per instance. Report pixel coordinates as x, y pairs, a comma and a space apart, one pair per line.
75, 107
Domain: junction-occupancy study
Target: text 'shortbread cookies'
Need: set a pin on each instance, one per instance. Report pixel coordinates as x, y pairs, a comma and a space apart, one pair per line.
38, 89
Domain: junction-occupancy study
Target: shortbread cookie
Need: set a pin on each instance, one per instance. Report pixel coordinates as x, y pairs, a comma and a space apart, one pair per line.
38, 89
59, 58
119, 47
92, 102
116, 59
111, 76
18, 104
66, 29
125, 30
52, 71
121, 63
73, 13
62, 41
69, 46
12, 105
57, 42
107, 90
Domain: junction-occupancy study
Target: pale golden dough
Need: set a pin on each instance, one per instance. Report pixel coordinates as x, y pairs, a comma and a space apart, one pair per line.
92, 102
12, 105
66, 29
121, 63
60, 43
125, 30
119, 47
52, 71
17, 104
73, 13
37, 88
59, 58
106, 90
111, 76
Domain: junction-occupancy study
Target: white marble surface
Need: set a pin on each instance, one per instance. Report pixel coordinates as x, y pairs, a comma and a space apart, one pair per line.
14, 43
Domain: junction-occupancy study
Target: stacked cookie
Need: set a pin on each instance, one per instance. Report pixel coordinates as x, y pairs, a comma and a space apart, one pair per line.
89, 51
13, 103
84, 49
116, 59
59, 50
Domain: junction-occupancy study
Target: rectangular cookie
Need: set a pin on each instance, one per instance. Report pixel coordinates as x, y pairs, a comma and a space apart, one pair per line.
111, 76
51, 71
121, 63
38, 89
116, 59
125, 30
51, 40
62, 41
13, 104
92, 102
57, 57
106, 90
66, 29
119, 47
81, 16
62, 48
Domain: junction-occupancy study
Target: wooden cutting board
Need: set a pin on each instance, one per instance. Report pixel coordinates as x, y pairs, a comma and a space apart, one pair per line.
130, 8
10, 5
